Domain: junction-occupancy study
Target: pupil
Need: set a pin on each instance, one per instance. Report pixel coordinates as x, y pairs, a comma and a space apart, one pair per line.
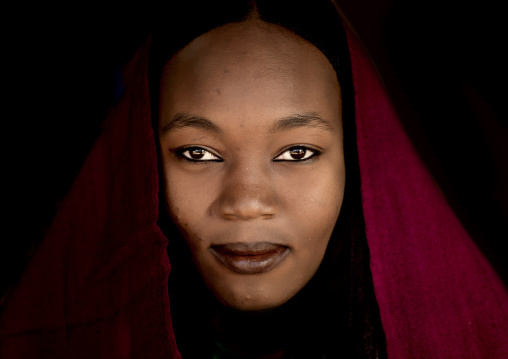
197, 153
298, 153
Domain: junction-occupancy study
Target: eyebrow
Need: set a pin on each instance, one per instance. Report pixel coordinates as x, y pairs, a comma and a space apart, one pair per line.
182, 120
311, 119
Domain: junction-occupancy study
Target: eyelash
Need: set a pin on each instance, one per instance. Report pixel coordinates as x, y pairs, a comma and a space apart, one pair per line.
181, 154
314, 153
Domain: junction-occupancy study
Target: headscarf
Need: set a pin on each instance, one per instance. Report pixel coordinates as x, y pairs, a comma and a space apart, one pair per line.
97, 285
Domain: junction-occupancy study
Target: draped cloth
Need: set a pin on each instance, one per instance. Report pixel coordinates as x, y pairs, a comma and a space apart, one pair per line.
97, 285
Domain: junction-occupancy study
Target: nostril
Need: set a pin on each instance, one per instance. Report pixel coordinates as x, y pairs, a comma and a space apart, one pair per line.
247, 203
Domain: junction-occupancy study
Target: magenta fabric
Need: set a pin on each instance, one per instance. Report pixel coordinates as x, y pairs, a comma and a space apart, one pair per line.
97, 286
438, 296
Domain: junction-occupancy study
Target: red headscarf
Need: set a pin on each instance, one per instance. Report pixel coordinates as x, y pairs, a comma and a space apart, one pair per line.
97, 286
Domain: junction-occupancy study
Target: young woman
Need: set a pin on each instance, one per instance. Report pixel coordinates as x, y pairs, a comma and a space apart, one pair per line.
257, 145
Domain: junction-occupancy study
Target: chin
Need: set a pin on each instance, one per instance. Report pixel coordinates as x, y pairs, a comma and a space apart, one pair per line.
254, 301
252, 305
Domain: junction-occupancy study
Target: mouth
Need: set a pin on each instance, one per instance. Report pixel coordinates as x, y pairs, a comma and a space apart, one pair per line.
250, 258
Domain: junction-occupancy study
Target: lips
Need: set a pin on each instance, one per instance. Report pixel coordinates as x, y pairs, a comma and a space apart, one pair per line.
250, 258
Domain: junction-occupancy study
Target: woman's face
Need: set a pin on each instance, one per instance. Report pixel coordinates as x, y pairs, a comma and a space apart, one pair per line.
251, 141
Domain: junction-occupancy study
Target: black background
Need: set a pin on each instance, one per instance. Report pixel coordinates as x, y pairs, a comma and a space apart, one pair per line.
442, 62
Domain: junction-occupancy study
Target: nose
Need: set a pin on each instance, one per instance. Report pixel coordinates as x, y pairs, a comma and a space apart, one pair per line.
247, 194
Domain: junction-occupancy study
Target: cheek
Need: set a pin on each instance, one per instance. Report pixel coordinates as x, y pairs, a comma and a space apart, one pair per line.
187, 198
314, 205
317, 197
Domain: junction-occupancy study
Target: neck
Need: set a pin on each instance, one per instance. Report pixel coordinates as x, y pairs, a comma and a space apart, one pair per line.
262, 334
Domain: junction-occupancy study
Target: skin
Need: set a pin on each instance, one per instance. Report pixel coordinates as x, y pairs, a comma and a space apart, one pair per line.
244, 94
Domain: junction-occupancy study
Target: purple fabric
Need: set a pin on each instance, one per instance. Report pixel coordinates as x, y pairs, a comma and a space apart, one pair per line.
97, 286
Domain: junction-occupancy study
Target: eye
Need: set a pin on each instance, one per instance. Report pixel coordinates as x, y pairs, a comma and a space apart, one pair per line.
197, 154
297, 153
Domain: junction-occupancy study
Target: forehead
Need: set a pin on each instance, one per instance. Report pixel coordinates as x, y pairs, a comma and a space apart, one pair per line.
245, 68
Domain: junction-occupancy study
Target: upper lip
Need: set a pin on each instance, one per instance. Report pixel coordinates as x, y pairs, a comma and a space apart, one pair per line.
248, 249
250, 258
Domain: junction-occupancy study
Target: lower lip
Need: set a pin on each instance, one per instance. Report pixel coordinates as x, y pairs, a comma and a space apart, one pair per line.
250, 261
